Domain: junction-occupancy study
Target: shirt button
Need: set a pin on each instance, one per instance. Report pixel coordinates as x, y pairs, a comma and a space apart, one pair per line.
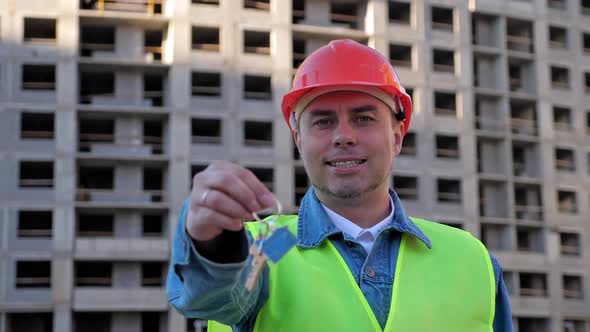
370, 272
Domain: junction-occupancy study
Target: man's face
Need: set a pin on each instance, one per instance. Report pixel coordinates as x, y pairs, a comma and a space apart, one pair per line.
348, 141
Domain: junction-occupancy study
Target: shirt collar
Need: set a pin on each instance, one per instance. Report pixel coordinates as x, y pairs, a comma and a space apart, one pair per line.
352, 229
314, 224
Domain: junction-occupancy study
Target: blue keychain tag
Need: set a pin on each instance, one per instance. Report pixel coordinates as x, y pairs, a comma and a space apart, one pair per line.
278, 244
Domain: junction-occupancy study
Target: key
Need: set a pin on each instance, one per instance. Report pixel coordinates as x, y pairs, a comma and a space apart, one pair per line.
259, 258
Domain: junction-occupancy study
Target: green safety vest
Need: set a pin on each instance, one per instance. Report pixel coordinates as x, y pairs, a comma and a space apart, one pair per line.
450, 287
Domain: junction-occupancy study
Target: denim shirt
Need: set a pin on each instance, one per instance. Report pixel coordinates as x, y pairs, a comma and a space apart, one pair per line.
199, 288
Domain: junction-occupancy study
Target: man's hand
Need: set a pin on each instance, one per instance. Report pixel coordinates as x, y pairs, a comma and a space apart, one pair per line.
224, 195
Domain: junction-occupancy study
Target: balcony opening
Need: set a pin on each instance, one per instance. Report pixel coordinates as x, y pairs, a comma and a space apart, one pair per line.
442, 18
151, 274
298, 11
532, 324
40, 30
560, 77
153, 182
206, 131
91, 131
257, 4
206, 84
445, 103
515, 77
529, 239
35, 224
557, 4
38, 77
93, 274
138, 6
399, 12
484, 30
400, 55
557, 37
257, 42
406, 187
527, 202
565, 160
409, 145
510, 282
570, 244
562, 118
30, 274
205, 39
153, 135
206, 2
257, 87
153, 89
152, 45
585, 6
447, 147
30, 321
95, 84
301, 184
523, 118
258, 134
492, 195
588, 127
36, 174
573, 287
443, 61
298, 52
152, 225
586, 42
95, 225
448, 191
96, 39
265, 175
345, 14
587, 82
522, 159
495, 237
92, 321
574, 325
519, 35
490, 156
533, 284
567, 202
37, 125
96, 177
150, 321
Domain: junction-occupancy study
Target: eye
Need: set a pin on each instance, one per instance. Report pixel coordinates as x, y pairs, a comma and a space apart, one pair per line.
324, 122
364, 119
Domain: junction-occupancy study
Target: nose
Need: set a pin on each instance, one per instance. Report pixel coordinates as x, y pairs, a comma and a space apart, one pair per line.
344, 135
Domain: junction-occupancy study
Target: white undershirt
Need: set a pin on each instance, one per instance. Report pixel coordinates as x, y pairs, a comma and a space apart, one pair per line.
365, 236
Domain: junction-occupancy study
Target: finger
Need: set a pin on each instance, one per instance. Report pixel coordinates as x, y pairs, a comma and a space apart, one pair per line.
205, 214
263, 195
229, 184
222, 203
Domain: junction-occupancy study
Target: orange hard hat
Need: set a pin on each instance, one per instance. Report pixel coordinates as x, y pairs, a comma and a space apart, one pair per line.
347, 64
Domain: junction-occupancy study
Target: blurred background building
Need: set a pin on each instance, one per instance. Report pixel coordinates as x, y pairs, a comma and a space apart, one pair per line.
108, 107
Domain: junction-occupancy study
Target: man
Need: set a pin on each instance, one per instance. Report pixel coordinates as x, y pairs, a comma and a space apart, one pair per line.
360, 263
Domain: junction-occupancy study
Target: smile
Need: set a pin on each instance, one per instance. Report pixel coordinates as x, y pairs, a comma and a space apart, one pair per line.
346, 164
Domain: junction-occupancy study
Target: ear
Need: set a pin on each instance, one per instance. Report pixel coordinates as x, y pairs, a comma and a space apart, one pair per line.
297, 140
398, 137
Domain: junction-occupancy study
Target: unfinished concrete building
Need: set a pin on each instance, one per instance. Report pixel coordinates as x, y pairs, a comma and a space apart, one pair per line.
108, 107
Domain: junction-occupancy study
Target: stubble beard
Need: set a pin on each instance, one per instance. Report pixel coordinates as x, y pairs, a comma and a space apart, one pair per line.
349, 194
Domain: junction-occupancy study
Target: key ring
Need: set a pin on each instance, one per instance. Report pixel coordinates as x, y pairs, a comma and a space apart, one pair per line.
268, 226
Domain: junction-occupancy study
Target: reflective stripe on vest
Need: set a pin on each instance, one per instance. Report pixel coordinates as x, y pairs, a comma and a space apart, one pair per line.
450, 287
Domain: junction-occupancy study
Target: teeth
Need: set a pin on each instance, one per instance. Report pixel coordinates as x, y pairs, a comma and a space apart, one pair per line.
345, 164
